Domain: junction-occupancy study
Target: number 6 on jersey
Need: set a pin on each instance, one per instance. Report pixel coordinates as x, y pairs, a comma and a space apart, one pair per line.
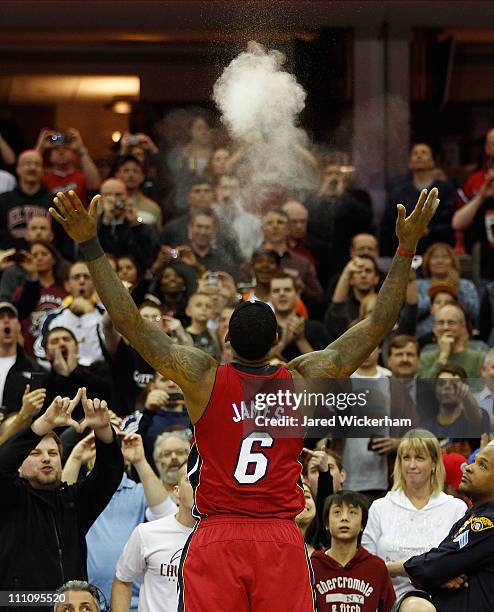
244, 473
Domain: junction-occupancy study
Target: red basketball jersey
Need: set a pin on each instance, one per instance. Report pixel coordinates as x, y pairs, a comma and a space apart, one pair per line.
237, 470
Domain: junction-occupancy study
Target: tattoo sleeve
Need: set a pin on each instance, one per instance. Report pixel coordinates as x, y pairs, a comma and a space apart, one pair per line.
343, 356
184, 365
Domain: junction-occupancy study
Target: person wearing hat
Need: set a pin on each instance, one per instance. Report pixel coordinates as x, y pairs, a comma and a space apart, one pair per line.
247, 491
16, 369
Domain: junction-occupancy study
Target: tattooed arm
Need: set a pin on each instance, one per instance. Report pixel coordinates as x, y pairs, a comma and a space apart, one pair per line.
193, 370
346, 354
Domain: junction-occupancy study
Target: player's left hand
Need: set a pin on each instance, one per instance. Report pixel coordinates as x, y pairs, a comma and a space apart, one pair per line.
411, 229
79, 223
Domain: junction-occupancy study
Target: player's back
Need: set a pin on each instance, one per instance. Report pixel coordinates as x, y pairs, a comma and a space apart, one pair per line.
236, 467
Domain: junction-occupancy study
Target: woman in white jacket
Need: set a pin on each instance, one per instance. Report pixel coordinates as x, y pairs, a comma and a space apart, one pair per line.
415, 515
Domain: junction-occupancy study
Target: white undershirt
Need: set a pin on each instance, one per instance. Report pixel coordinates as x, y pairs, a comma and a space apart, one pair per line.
5, 364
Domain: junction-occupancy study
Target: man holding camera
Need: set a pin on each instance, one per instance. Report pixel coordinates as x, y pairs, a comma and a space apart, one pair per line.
119, 227
64, 150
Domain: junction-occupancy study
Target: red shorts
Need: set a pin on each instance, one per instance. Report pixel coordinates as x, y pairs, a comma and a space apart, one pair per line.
238, 564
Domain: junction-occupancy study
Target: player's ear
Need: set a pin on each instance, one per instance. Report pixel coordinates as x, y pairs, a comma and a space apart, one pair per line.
176, 492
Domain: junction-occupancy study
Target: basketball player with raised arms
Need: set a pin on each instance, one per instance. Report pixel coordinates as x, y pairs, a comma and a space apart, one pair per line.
246, 553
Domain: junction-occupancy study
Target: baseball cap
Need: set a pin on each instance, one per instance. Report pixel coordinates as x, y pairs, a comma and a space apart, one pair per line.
9, 306
453, 466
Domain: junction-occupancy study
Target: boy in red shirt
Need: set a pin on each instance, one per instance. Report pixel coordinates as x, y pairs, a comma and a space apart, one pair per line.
347, 577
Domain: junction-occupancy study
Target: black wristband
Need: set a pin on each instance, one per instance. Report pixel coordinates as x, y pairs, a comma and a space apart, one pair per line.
91, 249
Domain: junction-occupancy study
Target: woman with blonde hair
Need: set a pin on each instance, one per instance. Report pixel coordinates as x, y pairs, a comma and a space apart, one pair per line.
416, 514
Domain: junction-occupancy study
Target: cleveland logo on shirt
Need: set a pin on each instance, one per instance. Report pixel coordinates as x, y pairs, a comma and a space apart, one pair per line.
170, 570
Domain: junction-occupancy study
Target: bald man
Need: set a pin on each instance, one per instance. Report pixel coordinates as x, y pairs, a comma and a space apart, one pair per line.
120, 229
298, 240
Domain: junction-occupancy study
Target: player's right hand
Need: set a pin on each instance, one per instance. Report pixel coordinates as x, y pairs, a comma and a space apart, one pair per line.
79, 223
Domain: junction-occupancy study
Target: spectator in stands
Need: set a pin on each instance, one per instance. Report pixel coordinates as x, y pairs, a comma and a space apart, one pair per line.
38, 228
403, 361
367, 468
423, 168
153, 554
28, 199
451, 333
50, 270
173, 285
200, 196
171, 449
164, 410
33, 497
203, 240
334, 218
218, 164
194, 157
298, 335
474, 216
131, 172
345, 517
359, 279
128, 270
441, 266
485, 397
264, 265
276, 231
119, 228
458, 572
67, 374
80, 596
440, 294
235, 222
199, 310
222, 290
142, 147
65, 154
81, 313
16, 369
130, 505
298, 240
415, 514
131, 373
458, 414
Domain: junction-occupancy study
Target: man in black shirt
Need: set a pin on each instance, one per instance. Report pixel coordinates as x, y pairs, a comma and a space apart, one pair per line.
43, 522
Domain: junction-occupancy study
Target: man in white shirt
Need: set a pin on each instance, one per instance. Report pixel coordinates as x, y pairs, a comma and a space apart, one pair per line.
153, 552
485, 397
82, 314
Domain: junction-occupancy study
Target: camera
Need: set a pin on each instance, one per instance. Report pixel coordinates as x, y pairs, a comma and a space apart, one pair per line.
134, 139
174, 253
119, 204
59, 139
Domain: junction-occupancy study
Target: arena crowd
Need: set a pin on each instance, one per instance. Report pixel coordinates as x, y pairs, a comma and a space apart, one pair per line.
400, 519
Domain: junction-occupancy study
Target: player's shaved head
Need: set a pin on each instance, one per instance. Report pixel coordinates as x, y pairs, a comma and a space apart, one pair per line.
252, 330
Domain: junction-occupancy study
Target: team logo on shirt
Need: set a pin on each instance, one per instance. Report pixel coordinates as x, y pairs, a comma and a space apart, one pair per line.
481, 523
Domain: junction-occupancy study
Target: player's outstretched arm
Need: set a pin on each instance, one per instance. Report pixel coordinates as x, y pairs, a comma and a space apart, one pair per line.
187, 366
342, 357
